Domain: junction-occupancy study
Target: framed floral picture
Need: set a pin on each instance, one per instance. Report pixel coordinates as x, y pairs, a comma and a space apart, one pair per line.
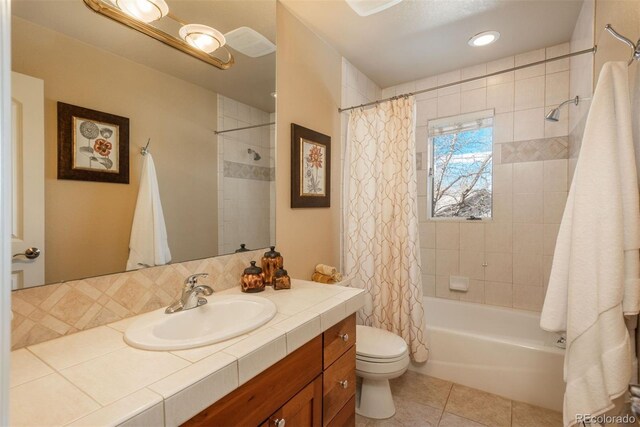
310, 168
92, 145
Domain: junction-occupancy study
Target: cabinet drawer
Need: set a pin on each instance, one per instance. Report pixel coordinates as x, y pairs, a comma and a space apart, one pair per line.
339, 385
338, 339
347, 415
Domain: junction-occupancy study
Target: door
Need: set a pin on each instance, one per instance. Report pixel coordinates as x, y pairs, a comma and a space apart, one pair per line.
303, 410
27, 138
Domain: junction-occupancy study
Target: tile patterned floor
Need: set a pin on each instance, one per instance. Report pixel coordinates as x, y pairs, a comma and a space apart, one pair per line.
423, 401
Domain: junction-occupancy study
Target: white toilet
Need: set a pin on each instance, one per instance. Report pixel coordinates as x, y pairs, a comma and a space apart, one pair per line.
380, 356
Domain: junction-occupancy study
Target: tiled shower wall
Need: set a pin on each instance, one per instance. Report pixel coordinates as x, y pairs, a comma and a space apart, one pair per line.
530, 181
51, 311
245, 185
581, 80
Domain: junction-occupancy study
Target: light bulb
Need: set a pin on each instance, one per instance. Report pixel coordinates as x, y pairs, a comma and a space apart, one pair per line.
144, 10
202, 37
484, 38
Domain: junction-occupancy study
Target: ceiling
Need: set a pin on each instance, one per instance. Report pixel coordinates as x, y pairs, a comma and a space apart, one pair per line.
250, 80
419, 38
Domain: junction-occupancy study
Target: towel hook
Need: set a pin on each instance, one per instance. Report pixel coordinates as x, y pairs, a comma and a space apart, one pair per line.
144, 150
635, 56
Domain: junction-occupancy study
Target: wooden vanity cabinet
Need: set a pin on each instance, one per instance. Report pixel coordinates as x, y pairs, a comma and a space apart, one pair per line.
304, 409
312, 387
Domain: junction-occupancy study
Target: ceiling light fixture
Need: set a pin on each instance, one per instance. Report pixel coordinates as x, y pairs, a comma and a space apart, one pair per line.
144, 10
202, 37
484, 38
195, 40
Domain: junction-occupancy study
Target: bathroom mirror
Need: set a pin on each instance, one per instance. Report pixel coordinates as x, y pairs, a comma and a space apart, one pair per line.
217, 191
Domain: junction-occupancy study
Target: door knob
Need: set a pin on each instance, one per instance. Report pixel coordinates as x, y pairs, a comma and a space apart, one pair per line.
279, 422
30, 253
344, 383
344, 337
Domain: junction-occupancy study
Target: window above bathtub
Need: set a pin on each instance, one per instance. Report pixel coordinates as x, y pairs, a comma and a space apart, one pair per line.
461, 166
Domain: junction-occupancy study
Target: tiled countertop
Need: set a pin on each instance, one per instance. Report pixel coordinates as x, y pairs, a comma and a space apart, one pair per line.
93, 378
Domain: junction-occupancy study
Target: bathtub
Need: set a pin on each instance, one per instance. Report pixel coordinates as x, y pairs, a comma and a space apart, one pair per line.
498, 350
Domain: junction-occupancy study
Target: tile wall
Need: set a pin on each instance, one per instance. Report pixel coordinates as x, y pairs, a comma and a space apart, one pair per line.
51, 311
581, 80
245, 185
508, 258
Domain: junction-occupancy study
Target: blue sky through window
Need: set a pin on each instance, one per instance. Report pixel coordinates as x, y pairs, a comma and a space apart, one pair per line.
461, 173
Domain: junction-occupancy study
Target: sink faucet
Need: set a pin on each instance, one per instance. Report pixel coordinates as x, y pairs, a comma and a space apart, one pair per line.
191, 294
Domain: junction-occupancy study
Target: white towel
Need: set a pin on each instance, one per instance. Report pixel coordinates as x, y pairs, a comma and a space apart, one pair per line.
148, 245
595, 275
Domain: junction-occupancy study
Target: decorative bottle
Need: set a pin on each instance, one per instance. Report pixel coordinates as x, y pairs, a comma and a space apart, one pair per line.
281, 280
271, 261
252, 279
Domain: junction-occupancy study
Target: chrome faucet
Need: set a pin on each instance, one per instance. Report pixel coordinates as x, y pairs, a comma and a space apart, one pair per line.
191, 294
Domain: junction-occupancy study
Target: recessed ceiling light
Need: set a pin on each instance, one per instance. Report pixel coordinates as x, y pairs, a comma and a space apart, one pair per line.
484, 38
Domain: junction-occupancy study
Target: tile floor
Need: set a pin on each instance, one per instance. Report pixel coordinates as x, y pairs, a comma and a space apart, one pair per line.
423, 401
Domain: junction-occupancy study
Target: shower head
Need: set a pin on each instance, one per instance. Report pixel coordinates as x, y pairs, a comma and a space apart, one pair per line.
554, 115
256, 156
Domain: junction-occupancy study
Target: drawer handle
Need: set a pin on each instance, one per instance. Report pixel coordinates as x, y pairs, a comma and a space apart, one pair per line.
344, 337
279, 422
344, 383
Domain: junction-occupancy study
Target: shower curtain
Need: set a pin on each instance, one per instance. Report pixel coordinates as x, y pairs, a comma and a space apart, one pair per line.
381, 247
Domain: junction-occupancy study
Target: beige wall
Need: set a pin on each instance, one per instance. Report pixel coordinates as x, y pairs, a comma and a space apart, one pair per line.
308, 82
88, 224
624, 16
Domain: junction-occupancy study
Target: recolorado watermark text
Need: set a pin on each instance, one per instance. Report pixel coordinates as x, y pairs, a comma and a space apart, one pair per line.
588, 419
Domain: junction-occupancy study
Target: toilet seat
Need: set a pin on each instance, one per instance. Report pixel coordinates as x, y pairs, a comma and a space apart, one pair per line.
379, 345
378, 360
389, 370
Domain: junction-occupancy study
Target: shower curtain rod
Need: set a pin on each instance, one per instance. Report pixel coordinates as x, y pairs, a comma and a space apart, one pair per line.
218, 132
520, 67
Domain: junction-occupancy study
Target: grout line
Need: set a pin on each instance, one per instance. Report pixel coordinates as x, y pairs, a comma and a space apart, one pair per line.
444, 408
511, 412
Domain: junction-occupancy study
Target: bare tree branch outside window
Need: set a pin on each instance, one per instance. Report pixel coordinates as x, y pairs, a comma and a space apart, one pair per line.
461, 173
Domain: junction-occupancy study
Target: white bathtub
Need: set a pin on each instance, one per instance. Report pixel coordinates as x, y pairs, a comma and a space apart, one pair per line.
498, 350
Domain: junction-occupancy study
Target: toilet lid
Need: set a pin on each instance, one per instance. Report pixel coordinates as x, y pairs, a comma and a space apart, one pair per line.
378, 343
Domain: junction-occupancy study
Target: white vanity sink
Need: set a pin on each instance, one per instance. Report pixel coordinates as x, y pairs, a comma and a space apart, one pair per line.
224, 317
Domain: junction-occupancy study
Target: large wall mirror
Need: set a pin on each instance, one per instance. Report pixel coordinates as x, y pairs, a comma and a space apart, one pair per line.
217, 190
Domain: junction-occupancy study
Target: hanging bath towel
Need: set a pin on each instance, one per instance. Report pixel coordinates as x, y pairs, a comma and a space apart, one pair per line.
148, 245
595, 275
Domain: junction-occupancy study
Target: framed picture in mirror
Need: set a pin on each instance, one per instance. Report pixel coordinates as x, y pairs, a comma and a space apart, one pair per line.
92, 145
310, 168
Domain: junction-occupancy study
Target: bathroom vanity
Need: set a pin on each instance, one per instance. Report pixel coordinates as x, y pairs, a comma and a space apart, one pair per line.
313, 386
296, 370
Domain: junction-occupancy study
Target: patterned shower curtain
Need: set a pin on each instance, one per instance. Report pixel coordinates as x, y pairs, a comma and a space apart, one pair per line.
381, 247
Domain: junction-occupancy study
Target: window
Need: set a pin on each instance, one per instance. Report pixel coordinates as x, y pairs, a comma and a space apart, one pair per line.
460, 169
